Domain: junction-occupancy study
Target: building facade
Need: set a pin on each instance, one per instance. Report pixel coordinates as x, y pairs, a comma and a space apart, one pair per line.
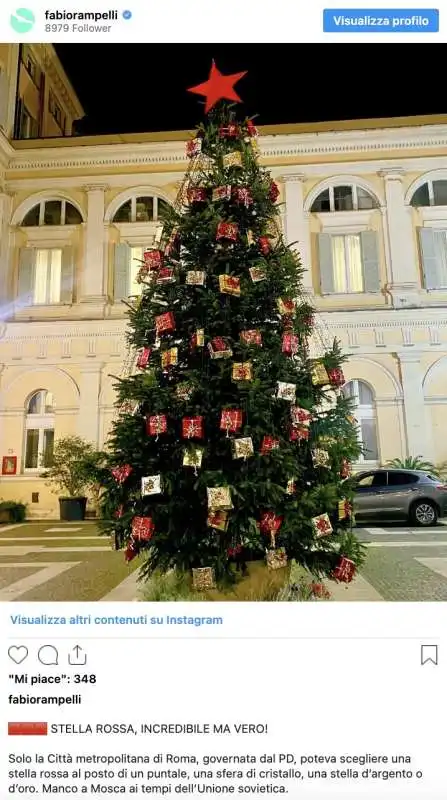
365, 203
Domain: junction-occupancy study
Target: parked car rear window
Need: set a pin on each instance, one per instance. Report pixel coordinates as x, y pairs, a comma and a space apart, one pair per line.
372, 479
401, 478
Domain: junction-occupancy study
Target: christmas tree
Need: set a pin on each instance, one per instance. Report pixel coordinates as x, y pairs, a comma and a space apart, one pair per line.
233, 440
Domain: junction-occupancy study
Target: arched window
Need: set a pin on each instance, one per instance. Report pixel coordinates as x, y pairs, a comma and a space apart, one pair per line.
365, 414
431, 193
344, 198
39, 431
52, 212
141, 209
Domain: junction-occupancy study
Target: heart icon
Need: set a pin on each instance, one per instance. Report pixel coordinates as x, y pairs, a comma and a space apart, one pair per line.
18, 654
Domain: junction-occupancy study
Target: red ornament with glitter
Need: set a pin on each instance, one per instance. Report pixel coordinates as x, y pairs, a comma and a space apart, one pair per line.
344, 571
227, 230
270, 522
268, 444
264, 245
290, 344
243, 196
231, 420
336, 377
165, 323
122, 473
273, 192
142, 528
156, 424
153, 259
299, 433
192, 427
143, 357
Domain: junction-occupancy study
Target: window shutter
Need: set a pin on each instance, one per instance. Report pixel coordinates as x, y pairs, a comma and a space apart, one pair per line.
326, 263
67, 275
25, 282
122, 271
370, 261
430, 260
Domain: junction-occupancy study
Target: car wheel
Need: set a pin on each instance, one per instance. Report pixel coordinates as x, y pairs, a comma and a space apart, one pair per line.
424, 513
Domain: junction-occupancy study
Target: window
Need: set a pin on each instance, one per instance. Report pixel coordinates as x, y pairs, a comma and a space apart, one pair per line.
344, 198
401, 478
39, 431
433, 247
47, 277
30, 65
349, 264
28, 127
371, 479
141, 209
432, 193
365, 413
52, 212
56, 111
136, 259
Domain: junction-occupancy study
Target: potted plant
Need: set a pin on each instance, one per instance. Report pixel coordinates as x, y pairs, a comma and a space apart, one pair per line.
11, 511
69, 473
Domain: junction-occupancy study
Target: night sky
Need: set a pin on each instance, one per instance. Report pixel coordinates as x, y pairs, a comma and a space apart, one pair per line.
137, 88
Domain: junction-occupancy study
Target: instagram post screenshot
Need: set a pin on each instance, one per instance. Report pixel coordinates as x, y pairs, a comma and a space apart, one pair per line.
223, 401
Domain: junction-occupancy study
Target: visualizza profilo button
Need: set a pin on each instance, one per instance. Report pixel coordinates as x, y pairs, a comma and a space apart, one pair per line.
380, 20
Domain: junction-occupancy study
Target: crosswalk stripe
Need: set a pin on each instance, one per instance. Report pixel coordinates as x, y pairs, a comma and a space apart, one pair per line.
405, 544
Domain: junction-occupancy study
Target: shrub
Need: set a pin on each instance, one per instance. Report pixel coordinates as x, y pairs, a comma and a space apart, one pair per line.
15, 511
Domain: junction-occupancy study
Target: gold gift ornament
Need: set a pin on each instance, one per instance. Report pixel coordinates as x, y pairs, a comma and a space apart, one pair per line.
184, 391
291, 486
276, 559
219, 499
257, 274
242, 371
320, 458
203, 578
195, 278
228, 284
319, 374
322, 525
233, 159
151, 484
218, 520
243, 448
192, 457
169, 358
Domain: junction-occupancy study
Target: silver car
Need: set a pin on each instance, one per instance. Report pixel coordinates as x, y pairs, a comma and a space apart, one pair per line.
399, 494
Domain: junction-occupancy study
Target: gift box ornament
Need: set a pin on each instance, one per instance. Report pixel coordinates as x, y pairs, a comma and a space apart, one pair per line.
273, 192
203, 579
165, 323
219, 348
345, 570
257, 274
251, 128
286, 391
250, 238
192, 428
194, 147
242, 371
243, 448
264, 245
156, 424
233, 159
166, 275
336, 377
169, 358
131, 551
195, 278
344, 509
221, 193
122, 473
320, 458
290, 344
286, 306
321, 525
345, 468
219, 499
268, 444
227, 230
230, 131
291, 486
243, 196
150, 484
228, 284
196, 194
252, 337
270, 523
142, 528
218, 520
193, 457
319, 374
326, 441
153, 259
198, 339
158, 236
129, 407
276, 559
231, 420
184, 391
287, 322
144, 275
143, 357
299, 433
172, 244
300, 416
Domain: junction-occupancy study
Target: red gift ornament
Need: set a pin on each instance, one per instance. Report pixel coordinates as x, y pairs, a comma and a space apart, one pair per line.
234, 551
299, 433
165, 275
270, 522
268, 444
345, 469
264, 245
153, 259
121, 473
229, 131
251, 337
243, 196
119, 512
231, 420
192, 427
251, 129
130, 552
165, 323
336, 377
173, 244
319, 590
290, 344
196, 194
143, 357
193, 147
344, 571
227, 230
156, 424
300, 416
142, 528
273, 192
287, 322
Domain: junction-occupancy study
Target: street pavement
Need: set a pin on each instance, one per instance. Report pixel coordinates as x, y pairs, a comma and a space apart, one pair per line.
71, 562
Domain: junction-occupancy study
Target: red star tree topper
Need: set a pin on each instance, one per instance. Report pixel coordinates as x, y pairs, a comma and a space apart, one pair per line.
218, 87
